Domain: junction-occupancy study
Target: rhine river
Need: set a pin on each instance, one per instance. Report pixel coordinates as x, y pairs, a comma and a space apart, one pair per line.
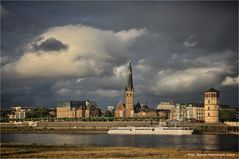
207, 142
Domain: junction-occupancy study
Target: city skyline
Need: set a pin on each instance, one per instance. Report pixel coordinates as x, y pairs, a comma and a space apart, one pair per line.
77, 50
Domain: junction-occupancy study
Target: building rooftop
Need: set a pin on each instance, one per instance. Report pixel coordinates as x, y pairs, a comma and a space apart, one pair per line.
212, 90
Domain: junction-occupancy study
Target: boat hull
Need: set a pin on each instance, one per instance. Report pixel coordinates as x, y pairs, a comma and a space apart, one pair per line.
150, 131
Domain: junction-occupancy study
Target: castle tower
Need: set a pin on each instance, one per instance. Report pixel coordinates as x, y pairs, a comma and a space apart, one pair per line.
129, 94
211, 106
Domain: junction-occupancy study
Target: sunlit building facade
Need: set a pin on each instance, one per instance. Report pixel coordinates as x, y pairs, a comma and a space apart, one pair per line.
77, 109
211, 106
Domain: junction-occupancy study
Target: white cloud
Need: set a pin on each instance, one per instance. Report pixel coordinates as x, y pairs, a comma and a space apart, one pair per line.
90, 52
230, 81
107, 93
142, 65
79, 80
63, 91
62, 84
215, 59
190, 42
175, 56
183, 80
67, 88
131, 34
205, 72
120, 71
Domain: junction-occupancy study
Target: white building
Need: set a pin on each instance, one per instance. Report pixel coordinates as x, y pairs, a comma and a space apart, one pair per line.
110, 108
190, 112
198, 113
178, 113
19, 112
164, 109
195, 112
165, 105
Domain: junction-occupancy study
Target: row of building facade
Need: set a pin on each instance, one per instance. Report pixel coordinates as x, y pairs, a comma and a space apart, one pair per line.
181, 112
18, 112
77, 109
207, 112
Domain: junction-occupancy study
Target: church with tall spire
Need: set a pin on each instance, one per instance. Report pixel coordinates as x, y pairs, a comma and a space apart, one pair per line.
129, 94
129, 109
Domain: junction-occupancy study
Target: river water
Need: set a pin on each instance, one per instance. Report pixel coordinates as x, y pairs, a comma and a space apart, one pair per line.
207, 142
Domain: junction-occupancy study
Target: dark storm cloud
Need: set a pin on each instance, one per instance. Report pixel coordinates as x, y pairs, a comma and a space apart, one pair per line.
183, 37
50, 44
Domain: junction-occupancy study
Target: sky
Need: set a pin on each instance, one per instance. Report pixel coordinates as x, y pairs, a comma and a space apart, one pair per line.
54, 51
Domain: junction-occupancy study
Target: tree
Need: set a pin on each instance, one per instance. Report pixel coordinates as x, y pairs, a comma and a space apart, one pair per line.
38, 113
4, 115
108, 114
228, 115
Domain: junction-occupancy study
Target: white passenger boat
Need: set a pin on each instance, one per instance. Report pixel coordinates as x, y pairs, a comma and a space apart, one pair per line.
150, 131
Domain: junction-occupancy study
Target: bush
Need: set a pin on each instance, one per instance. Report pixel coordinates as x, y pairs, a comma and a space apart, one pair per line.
228, 115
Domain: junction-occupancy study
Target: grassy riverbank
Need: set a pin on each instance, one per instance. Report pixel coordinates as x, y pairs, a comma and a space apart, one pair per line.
29, 130
66, 151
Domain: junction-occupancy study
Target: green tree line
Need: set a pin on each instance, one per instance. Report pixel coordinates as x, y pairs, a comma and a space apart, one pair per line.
228, 115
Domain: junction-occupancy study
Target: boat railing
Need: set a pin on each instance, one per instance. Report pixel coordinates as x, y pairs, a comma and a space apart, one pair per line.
176, 128
120, 128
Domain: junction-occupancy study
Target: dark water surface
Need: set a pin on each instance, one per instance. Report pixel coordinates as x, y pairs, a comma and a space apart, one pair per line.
208, 142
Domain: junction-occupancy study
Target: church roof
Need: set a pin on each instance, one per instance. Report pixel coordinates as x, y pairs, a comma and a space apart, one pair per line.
120, 106
212, 90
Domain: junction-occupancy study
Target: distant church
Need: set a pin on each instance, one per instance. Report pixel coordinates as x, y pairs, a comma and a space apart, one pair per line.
129, 109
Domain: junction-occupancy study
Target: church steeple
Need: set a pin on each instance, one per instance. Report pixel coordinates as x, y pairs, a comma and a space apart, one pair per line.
129, 94
130, 86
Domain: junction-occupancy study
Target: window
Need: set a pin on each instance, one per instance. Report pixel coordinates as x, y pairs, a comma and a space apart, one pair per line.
208, 108
208, 101
208, 114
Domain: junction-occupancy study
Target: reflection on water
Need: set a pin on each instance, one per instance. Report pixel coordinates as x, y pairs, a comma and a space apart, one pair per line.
212, 142
209, 142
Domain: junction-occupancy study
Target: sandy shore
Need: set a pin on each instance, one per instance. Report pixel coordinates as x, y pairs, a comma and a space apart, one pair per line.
68, 151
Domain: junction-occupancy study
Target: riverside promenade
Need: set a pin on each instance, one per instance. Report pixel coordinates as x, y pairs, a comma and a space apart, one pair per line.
103, 127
